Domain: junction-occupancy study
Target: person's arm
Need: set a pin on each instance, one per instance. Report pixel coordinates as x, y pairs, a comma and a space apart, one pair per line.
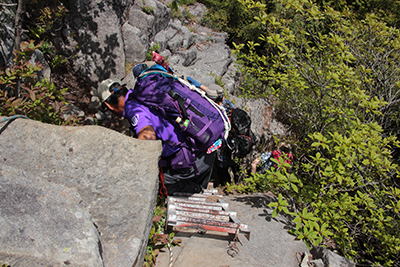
196, 83
147, 133
139, 117
203, 87
254, 165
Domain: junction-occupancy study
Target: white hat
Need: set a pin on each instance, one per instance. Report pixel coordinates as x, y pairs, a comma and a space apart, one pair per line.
213, 91
103, 92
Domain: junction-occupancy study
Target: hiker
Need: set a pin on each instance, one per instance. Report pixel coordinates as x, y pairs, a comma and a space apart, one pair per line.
264, 162
240, 140
215, 92
149, 124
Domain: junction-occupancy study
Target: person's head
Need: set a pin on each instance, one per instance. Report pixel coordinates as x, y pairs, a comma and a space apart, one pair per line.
215, 92
284, 147
111, 93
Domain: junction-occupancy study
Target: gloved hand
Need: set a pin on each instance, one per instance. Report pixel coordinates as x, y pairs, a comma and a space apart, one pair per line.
193, 81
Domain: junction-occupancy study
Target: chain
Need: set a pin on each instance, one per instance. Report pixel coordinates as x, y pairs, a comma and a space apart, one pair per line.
233, 250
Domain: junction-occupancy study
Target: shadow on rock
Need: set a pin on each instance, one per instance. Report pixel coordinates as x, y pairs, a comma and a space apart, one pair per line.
262, 201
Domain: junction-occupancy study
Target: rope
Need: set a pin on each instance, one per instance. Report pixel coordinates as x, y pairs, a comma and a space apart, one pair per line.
9, 120
171, 255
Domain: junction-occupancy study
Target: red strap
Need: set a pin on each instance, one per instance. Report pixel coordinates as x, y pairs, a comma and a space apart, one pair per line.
163, 189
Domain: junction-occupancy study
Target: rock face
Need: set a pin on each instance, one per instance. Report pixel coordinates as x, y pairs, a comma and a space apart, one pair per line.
103, 38
7, 35
93, 36
79, 196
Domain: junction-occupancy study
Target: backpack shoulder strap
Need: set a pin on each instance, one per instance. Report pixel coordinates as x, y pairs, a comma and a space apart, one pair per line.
155, 71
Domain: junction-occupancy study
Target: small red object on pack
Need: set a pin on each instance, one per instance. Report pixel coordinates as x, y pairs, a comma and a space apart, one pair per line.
161, 61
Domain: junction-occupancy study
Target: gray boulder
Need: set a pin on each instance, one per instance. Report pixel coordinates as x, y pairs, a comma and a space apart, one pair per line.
175, 43
72, 110
94, 39
7, 33
212, 61
232, 78
160, 40
330, 259
44, 223
197, 10
188, 57
260, 112
170, 33
132, 35
161, 13
142, 21
188, 38
38, 59
214, 58
75, 195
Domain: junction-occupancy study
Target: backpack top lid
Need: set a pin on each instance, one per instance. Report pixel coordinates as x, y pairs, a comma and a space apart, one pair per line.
139, 68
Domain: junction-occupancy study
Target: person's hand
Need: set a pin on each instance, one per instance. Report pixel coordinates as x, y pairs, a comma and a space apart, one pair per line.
256, 162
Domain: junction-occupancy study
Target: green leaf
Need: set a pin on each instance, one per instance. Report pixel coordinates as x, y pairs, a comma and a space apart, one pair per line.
294, 187
275, 213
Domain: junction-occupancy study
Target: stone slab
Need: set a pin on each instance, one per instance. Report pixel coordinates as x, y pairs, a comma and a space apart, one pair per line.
114, 176
270, 243
42, 222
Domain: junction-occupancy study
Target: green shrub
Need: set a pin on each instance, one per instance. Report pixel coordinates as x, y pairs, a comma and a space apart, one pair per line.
314, 61
44, 27
346, 190
335, 82
175, 3
38, 100
147, 9
149, 55
232, 17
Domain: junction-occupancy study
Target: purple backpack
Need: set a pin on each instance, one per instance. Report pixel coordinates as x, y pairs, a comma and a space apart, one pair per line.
202, 120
